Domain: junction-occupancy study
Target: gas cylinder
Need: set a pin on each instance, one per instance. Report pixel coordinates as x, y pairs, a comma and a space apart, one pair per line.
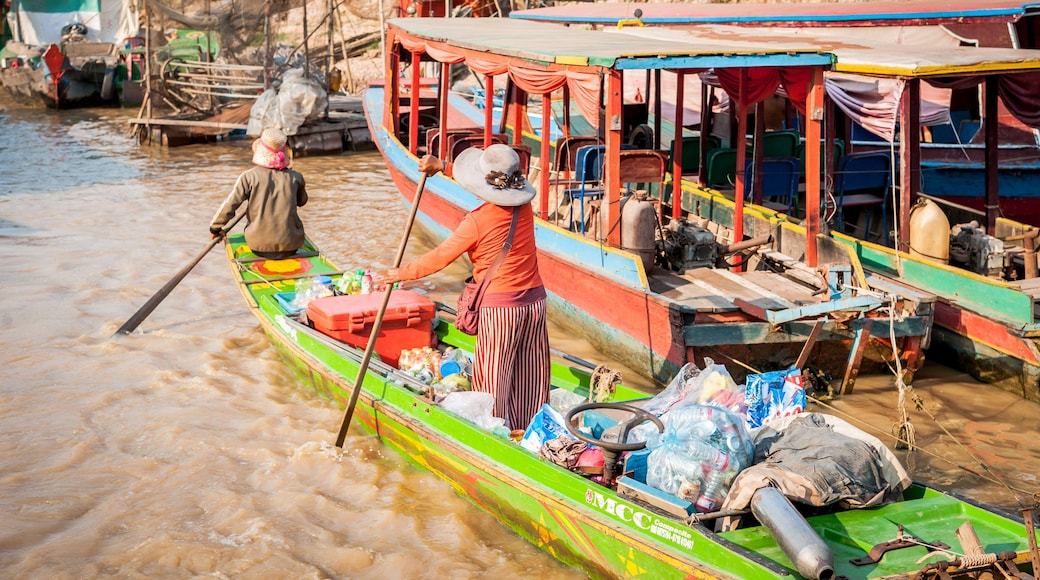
638, 228
929, 231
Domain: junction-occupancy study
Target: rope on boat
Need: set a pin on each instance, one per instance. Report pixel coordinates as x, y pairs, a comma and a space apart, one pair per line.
976, 561
603, 383
992, 478
904, 430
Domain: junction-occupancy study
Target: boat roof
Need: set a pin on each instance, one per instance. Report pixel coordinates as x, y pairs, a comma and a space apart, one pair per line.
864, 50
550, 43
886, 12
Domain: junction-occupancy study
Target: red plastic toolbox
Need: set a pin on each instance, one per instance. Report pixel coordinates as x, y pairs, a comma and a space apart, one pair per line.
406, 323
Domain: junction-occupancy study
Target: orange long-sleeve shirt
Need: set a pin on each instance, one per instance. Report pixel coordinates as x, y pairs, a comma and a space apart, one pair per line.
481, 235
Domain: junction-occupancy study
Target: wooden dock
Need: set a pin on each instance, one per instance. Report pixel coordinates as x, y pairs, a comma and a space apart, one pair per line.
344, 130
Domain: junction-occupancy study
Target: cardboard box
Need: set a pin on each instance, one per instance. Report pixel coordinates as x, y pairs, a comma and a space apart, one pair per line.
406, 323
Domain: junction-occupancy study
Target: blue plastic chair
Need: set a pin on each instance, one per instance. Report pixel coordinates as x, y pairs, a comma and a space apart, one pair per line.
779, 182
588, 171
967, 130
861, 177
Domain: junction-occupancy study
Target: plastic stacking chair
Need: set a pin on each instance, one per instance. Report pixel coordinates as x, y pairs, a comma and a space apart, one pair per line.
691, 152
567, 153
588, 173
780, 143
967, 130
722, 167
863, 180
779, 182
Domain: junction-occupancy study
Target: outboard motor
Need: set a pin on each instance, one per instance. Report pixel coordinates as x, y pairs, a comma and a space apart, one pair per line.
75, 32
972, 249
685, 245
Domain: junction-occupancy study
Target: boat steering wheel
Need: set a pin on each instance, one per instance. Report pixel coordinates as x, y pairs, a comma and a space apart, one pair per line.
611, 449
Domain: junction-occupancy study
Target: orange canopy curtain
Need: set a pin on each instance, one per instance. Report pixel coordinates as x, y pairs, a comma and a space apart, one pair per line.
762, 83
584, 86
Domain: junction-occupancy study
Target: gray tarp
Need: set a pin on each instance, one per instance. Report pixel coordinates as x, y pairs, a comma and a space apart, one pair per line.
819, 460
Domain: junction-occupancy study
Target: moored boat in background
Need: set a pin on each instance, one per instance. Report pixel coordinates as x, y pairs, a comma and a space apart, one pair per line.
953, 146
65, 54
984, 272
603, 278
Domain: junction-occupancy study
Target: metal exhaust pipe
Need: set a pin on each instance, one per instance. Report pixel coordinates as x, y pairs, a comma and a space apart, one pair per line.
803, 546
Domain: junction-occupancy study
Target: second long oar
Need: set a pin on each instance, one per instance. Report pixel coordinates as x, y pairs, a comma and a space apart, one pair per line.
132, 323
377, 324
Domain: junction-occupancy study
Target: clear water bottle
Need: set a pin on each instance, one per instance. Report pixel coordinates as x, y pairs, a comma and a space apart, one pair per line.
366, 282
709, 454
711, 492
322, 286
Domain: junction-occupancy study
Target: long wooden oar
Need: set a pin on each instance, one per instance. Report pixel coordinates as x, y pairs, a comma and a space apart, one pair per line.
142, 313
378, 323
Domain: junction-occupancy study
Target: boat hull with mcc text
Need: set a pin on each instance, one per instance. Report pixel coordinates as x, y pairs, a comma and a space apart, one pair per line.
582, 523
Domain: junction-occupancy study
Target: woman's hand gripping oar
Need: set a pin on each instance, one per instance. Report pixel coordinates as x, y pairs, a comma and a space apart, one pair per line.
132, 323
378, 323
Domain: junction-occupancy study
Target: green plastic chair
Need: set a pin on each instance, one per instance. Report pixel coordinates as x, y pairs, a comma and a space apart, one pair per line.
781, 143
839, 151
722, 167
691, 152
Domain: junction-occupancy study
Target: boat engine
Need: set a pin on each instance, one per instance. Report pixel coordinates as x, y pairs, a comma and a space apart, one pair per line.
685, 245
972, 249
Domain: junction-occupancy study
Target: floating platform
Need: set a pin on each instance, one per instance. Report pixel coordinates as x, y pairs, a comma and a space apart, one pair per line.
344, 130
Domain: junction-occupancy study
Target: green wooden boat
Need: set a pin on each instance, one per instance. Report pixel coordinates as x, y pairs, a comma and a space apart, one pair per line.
585, 524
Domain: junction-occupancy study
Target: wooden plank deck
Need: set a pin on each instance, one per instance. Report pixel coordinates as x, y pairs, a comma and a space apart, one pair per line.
715, 290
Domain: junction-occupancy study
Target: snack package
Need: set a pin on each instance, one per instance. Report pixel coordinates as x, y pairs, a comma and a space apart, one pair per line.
546, 425
772, 395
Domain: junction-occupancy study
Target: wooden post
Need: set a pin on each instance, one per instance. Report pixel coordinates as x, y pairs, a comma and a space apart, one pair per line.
413, 105
657, 108
543, 177
328, 59
706, 117
677, 146
443, 88
610, 208
267, 45
392, 100
306, 45
814, 112
991, 122
489, 103
519, 116
741, 145
566, 110
909, 160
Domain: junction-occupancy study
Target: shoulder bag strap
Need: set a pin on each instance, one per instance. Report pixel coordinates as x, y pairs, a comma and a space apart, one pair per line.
501, 256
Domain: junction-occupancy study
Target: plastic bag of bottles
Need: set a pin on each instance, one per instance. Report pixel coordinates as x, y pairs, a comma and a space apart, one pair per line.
701, 451
309, 289
711, 385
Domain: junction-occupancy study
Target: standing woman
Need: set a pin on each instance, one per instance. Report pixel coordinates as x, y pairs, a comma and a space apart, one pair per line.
511, 361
